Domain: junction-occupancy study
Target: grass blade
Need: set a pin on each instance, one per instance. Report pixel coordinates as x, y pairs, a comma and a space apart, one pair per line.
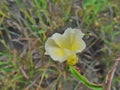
84, 80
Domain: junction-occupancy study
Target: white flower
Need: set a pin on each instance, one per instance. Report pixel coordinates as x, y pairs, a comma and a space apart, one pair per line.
61, 46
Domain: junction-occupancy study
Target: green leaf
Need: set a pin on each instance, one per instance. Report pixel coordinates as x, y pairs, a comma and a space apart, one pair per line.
84, 80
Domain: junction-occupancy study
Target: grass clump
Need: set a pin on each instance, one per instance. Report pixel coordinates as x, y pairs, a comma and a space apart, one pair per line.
26, 24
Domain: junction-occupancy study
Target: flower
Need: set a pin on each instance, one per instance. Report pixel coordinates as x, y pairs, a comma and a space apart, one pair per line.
62, 47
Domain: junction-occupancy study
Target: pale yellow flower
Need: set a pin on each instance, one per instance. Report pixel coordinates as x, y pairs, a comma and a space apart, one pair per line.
62, 47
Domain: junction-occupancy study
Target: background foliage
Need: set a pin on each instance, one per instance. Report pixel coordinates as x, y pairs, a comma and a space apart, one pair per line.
26, 24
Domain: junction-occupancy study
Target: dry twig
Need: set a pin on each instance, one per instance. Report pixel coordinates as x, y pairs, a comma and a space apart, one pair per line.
111, 74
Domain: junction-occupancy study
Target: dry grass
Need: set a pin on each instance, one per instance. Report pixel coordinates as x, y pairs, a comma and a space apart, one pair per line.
26, 24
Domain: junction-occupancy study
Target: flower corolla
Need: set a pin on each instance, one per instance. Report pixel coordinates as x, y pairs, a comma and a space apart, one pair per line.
62, 47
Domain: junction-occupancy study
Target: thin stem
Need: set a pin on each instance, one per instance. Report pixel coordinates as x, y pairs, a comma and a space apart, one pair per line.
111, 74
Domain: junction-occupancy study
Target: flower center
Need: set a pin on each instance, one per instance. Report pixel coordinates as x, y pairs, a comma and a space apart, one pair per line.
72, 59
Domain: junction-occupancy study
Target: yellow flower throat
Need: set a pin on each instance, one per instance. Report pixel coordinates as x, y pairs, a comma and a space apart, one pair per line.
72, 59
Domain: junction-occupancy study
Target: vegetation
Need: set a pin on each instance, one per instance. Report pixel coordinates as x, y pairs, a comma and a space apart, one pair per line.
25, 25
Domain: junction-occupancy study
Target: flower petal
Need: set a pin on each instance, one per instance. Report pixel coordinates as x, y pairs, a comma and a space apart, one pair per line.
78, 45
58, 38
53, 49
73, 40
74, 32
57, 54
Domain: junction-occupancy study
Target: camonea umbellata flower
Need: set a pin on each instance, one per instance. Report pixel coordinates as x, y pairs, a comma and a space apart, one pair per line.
64, 47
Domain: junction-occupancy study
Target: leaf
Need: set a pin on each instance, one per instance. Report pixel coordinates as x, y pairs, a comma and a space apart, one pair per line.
84, 80
41, 31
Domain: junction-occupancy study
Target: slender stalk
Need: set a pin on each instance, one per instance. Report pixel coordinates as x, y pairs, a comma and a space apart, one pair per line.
111, 74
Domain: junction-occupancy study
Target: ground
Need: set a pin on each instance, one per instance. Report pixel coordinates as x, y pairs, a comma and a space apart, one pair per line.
25, 25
